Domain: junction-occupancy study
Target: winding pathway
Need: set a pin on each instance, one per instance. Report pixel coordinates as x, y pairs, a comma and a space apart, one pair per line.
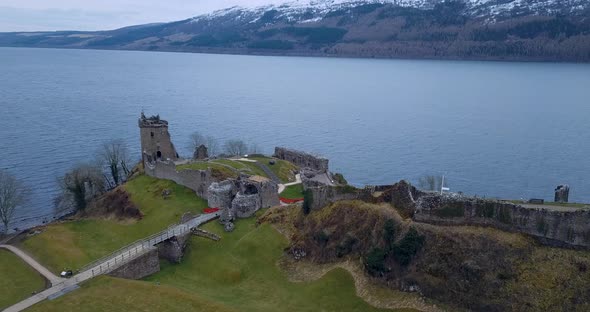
52, 278
282, 187
110, 262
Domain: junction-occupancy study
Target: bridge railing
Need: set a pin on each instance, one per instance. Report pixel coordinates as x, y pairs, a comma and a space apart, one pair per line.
170, 231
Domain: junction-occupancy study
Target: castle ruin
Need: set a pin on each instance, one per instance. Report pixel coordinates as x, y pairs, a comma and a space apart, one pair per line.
302, 159
155, 139
240, 197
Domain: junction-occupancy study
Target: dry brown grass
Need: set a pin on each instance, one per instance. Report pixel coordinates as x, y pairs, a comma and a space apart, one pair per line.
479, 268
286, 219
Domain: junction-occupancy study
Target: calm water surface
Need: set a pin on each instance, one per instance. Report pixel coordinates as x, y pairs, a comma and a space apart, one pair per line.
510, 130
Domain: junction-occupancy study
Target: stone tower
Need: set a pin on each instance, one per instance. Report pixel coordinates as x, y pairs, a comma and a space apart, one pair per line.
155, 139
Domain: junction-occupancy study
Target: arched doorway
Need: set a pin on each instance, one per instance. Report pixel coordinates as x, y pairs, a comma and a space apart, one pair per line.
159, 155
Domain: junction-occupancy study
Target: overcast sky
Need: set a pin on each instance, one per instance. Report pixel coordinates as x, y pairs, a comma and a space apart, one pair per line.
31, 15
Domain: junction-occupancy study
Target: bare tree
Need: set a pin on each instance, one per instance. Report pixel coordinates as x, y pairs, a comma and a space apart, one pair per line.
115, 157
212, 146
82, 183
210, 142
197, 140
430, 182
254, 149
235, 147
13, 194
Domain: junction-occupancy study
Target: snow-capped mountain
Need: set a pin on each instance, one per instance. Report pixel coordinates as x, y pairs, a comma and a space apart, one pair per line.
489, 9
556, 30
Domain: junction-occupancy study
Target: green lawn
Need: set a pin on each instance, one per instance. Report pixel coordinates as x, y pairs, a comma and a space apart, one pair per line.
218, 171
113, 294
283, 169
293, 192
240, 271
254, 168
244, 166
17, 279
232, 163
75, 244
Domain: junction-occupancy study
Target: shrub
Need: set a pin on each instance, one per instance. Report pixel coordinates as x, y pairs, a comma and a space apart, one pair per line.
504, 215
375, 261
321, 238
345, 247
339, 178
346, 189
408, 247
307, 201
389, 233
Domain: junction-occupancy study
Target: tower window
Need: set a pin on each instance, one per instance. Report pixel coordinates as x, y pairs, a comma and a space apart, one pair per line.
152, 134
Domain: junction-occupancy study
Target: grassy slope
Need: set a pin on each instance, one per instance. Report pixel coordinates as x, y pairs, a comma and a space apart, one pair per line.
238, 273
126, 295
17, 279
218, 171
293, 192
254, 168
241, 271
75, 244
559, 280
283, 169
246, 167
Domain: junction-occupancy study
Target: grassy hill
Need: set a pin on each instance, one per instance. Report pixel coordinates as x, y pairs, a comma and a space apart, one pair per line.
76, 243
241, 272
476, 268
114, 294
17, 279
238, 273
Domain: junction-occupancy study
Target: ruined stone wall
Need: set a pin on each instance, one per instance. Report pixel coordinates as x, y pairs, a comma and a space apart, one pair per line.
196, 180
550, 227
269, 193
323, 195
220, 195
140, 267
173, 248
302, 159
244, 206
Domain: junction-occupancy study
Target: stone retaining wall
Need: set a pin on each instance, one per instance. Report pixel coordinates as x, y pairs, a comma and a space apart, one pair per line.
140, 267
173, 248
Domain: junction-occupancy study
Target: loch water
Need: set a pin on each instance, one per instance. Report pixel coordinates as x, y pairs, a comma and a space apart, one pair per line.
494, 129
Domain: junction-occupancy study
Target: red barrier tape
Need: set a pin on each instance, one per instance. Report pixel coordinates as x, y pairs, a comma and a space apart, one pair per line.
290, 201
210, 210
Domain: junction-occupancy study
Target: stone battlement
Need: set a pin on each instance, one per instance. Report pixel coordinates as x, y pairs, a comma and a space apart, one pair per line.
151, 122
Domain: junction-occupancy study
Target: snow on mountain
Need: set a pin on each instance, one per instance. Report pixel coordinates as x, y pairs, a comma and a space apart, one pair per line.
305, 11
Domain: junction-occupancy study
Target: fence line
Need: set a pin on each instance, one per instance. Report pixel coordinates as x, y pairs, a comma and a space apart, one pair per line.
150, 240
